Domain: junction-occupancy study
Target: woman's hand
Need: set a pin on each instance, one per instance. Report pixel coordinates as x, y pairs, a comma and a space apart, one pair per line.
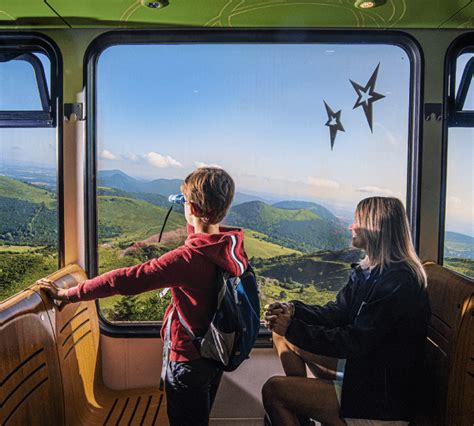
281, 324
51, 290
277, 316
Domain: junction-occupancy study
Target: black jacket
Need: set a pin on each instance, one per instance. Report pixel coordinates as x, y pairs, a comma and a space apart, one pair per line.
379, 324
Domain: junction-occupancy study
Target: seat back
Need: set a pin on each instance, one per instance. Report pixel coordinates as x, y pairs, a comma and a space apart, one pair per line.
450, 350
30, 378
77, 334
50, 367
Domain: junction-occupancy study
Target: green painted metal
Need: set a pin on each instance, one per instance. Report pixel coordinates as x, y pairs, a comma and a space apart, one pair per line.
463, 20
237, 13
27, 13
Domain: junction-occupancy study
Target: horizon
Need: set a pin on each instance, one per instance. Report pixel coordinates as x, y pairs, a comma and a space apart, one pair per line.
341, 214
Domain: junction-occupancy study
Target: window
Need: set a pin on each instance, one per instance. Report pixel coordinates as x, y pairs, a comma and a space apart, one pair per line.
26, 97
28, 171
268, 114
458, 251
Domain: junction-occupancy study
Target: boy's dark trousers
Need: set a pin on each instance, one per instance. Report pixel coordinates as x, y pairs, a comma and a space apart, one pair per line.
191, 388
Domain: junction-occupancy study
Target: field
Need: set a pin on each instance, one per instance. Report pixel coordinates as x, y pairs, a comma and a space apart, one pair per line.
298, 249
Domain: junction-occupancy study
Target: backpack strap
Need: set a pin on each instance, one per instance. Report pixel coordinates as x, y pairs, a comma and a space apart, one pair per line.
166, 348
185, 325
221, 276
167, 342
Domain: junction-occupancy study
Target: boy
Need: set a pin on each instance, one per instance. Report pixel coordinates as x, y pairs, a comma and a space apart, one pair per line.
190, 271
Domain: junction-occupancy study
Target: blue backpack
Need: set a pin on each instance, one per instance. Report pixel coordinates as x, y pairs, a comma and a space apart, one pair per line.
235, 324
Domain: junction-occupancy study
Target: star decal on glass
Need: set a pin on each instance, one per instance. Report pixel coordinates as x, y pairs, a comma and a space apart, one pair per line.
367, 96
334, 123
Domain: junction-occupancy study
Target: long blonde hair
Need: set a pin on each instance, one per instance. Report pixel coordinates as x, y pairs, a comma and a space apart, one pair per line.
384, 229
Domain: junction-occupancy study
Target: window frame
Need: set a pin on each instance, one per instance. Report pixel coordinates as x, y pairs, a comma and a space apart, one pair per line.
237, 36
453, 117
36, 42
22, 44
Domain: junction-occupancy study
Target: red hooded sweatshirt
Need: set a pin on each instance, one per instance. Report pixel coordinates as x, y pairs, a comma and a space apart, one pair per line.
190, 272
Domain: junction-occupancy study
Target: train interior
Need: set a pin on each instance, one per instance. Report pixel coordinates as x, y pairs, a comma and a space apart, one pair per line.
105, 106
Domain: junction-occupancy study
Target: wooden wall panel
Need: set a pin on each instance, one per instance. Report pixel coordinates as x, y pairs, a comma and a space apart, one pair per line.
31, 389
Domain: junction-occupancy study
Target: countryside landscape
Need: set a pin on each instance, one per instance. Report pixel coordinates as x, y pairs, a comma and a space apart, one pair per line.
299, 249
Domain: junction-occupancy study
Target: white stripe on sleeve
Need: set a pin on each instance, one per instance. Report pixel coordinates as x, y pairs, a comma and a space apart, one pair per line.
232, 252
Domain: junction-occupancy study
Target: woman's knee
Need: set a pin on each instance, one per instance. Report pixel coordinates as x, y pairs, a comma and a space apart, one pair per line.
271, 390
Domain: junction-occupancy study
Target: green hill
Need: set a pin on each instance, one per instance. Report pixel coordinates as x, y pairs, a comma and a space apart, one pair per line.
463, 266
128, 219
297, 229
458, 245
306, 205
19, 270
256, 245
156, 199
12, 188
27, 214
312, 278
323, 270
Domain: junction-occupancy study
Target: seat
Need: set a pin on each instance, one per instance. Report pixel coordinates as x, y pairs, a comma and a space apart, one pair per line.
51, 365
449, 362
87, 400
30, 376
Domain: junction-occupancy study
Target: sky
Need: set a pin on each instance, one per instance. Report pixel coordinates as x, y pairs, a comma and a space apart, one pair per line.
258, 111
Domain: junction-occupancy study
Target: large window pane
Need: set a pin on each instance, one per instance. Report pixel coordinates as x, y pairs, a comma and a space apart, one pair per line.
459, 222
259, 112
28, 207
28, 194
459, 234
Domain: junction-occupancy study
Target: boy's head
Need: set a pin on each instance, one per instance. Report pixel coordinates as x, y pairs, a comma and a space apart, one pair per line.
209, 191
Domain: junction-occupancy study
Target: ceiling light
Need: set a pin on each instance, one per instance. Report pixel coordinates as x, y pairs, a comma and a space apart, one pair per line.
368, 4
158, 4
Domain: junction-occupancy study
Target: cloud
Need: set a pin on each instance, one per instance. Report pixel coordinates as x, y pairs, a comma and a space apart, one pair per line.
162, 161
374, 190
200, 164
107, 155
132, 157
323, 183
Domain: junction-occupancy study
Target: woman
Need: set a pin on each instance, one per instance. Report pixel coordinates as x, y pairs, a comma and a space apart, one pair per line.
378, 323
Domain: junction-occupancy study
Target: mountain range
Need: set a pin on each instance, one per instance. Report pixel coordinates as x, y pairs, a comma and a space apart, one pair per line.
28, 216
295, 228
164, 187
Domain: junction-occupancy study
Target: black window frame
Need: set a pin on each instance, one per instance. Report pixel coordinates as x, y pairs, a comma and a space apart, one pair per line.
454, 116
22, 48
39, 43
218, 36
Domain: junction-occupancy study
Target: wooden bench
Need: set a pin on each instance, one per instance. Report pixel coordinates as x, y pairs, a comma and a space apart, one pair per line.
30, 375
74, 393
449, 392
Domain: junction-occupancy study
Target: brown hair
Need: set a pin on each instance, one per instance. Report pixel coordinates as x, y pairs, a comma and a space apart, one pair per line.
211, 190
385, 231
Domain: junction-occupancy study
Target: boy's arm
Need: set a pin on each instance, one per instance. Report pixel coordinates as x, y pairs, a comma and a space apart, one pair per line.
170, 270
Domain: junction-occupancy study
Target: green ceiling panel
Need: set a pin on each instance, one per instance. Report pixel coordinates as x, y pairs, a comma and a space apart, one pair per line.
332, 13
464, 19
28, 13
240, 13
